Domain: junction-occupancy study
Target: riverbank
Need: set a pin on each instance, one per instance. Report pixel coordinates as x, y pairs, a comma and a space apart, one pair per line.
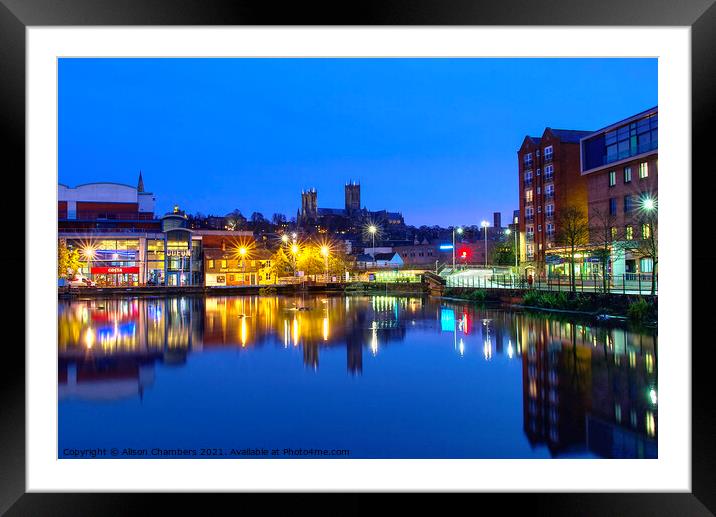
598, 305
354, 288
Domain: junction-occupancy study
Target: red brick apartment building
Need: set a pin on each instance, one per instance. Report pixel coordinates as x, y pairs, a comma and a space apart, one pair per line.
550, 179
620, 165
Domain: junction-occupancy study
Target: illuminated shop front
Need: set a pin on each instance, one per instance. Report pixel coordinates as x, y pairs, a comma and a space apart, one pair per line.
585, 264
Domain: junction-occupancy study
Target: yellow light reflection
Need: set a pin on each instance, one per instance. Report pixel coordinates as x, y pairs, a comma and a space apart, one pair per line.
325, 328
89, 338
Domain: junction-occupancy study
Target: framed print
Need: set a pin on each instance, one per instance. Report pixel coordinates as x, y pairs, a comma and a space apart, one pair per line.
419, 253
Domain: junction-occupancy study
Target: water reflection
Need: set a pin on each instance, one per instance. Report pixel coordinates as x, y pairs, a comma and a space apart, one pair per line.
584, 387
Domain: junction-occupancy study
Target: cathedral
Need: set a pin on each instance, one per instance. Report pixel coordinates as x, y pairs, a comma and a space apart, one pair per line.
350, 217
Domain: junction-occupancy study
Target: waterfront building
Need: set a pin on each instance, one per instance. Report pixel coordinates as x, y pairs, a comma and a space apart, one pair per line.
620, 165
549, 180
121, 241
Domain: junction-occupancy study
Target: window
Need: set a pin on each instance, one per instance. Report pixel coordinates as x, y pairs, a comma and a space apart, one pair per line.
223, 264
549, 190
646, 265
528, 160
628, 204
613, 206
645, 231
539, 227
528, 176
539, 190
211, 264
548, 172
539, 209
528, 195
627, 174
550, 210
612, 178
643, 170
550, 229
613, 233
629, 232
529, 213
539, 171
548, 153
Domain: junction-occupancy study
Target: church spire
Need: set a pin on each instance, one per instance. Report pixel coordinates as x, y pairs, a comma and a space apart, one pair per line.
140, 183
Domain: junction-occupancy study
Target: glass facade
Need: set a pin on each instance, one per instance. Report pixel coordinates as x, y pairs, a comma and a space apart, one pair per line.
630, 139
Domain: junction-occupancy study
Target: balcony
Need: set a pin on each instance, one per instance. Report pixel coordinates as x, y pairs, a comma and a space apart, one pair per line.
527, 166
549, 177
529, 218
529, 237
548, 158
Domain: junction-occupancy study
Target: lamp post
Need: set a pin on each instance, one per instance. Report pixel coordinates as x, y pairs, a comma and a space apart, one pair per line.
325, 252
507, 232
88, 252
242, 253
294, 252
485, 224
372, 229
459, 230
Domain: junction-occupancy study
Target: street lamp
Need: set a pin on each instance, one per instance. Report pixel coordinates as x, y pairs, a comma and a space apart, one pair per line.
372, 230
459, 230
89, 253
325, 251
294, 252
507, 232
284, 238
242, 253
485, 224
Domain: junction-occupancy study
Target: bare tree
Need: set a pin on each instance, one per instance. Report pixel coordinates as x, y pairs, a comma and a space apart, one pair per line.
605, 238
572, 233
647, 245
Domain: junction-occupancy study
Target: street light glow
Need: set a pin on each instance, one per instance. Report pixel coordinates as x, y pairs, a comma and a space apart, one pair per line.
294, 249
508, 231
242, 251
284, 238
648, 204
324, 250
459, 230
372, 228
484, 224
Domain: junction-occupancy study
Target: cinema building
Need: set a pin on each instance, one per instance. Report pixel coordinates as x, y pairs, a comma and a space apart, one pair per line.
123, 243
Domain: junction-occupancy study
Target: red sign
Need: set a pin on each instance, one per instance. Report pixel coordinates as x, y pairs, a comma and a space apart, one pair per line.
115, 270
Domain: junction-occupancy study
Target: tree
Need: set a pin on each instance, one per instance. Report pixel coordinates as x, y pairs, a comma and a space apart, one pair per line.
572, 233
647, 246
235, 219
68, 260
257, 217
278, 219
281, 264
604, 236
503, 253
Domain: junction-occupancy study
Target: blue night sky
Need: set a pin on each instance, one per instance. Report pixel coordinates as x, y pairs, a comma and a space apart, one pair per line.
435, 139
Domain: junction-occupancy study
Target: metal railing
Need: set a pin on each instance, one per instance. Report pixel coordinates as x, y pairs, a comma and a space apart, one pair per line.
626, 283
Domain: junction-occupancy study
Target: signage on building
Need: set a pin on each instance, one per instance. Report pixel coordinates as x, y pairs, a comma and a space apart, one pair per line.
178, 253
553, 259
115, 270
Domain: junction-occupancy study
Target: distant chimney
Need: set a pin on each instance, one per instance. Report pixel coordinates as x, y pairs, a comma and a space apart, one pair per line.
497, 218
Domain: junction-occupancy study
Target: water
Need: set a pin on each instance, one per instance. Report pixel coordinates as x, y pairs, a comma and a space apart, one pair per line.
356, 376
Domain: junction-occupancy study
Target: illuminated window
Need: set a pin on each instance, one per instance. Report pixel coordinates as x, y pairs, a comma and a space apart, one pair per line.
613, 232
643, 170
612, 178
211, 264
528, 195
645, 231
629, 232
223, 264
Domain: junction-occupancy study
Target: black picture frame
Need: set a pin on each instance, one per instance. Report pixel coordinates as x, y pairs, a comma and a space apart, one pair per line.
700, 15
